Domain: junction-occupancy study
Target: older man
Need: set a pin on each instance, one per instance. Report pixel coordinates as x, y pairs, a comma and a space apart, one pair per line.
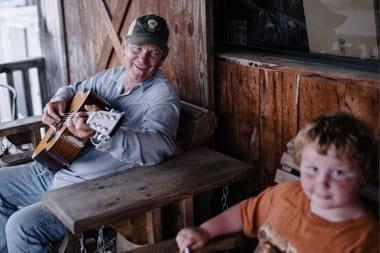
145, 136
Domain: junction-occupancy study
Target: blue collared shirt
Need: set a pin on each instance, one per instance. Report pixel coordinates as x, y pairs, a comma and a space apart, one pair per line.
145, 136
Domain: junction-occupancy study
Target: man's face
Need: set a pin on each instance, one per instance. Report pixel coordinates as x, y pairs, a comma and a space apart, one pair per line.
142, 60
330, 182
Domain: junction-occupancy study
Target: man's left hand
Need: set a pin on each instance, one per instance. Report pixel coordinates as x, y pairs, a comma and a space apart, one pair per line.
77, 125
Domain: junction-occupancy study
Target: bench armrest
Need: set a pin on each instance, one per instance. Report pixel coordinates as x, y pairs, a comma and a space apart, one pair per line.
21, 125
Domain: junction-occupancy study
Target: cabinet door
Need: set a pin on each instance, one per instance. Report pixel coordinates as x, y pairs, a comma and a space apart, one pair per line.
237, 107
320, 95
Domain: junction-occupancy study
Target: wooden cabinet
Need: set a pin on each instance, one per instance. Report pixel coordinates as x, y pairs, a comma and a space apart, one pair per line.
261, 104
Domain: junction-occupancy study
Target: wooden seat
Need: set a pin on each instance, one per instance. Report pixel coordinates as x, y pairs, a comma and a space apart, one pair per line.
130, 192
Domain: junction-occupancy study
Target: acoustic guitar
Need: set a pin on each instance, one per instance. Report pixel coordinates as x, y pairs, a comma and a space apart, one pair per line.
59, 147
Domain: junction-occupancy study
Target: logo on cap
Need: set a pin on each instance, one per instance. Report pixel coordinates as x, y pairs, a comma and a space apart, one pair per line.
152, 25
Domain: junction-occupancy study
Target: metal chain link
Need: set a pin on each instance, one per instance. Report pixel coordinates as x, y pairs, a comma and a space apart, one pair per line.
103, 243
224, 199
81, 241
100, 242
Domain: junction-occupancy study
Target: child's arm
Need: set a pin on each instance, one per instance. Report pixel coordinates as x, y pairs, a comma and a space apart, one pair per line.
225, 223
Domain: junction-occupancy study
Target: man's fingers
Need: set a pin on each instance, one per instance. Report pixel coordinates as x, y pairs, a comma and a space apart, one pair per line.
61, 109
48, 120
51, 113
92, 108
77, 125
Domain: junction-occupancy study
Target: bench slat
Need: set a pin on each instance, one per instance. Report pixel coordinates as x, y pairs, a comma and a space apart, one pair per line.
110, 198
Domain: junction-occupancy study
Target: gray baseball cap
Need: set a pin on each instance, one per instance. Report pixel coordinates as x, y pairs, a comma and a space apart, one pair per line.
149, 28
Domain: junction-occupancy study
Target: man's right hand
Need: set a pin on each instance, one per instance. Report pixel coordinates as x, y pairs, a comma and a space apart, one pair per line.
53, 112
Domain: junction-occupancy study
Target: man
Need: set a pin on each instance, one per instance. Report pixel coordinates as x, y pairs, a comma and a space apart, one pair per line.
145, 136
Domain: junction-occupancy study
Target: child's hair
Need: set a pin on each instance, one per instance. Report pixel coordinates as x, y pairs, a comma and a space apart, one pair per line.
348, 135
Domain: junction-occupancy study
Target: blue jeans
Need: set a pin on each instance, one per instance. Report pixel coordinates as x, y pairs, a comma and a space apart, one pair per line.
25, 225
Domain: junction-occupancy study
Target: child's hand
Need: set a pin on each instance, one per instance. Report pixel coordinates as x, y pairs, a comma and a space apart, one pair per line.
193, 238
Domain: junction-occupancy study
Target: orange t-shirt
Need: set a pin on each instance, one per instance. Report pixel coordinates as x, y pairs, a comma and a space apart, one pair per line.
285, 208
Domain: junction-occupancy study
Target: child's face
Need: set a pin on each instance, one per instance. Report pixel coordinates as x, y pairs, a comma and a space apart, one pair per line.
330, 182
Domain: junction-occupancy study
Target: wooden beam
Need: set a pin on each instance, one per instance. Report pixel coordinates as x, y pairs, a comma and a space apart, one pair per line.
53, 45
113, 28
153, 225
186, 215
27, 92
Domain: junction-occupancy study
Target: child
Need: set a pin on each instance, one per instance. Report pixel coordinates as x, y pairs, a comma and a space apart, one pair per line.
336, 154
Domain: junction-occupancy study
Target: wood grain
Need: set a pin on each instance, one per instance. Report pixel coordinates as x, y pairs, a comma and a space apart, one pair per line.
271, 119
111, 30
119, 13
53, 47
141, 189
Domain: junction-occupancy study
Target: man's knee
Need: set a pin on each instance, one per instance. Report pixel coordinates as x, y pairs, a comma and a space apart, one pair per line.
16, 227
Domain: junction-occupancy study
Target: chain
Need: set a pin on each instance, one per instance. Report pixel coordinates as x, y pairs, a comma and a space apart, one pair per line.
110, 247
82, 247
100, 242
224, 199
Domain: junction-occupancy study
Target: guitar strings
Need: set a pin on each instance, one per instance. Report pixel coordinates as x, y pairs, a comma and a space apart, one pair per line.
60, 123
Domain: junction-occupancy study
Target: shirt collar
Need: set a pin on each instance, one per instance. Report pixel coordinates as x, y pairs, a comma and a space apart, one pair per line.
149, 82
146, 84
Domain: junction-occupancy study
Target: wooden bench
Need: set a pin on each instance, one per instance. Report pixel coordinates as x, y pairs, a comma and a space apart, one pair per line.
115, 197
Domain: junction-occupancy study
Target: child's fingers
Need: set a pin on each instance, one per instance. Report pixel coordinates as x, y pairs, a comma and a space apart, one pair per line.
197, 244
184, 243
190, 244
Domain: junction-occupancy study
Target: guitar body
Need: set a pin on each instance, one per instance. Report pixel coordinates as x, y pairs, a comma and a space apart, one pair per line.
58, 149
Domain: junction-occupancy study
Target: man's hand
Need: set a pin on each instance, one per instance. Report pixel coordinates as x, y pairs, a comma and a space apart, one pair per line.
53, 112
192, 238
77, 125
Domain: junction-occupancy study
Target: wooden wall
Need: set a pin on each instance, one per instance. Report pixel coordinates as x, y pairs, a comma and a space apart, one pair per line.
89, 43
262, 104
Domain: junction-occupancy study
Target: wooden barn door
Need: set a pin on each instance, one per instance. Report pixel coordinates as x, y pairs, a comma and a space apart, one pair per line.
94, 30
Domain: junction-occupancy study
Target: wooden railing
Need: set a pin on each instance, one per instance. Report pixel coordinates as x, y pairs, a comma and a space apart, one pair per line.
23, 67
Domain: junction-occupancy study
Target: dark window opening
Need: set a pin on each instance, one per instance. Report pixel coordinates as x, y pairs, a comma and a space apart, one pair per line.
337, 32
